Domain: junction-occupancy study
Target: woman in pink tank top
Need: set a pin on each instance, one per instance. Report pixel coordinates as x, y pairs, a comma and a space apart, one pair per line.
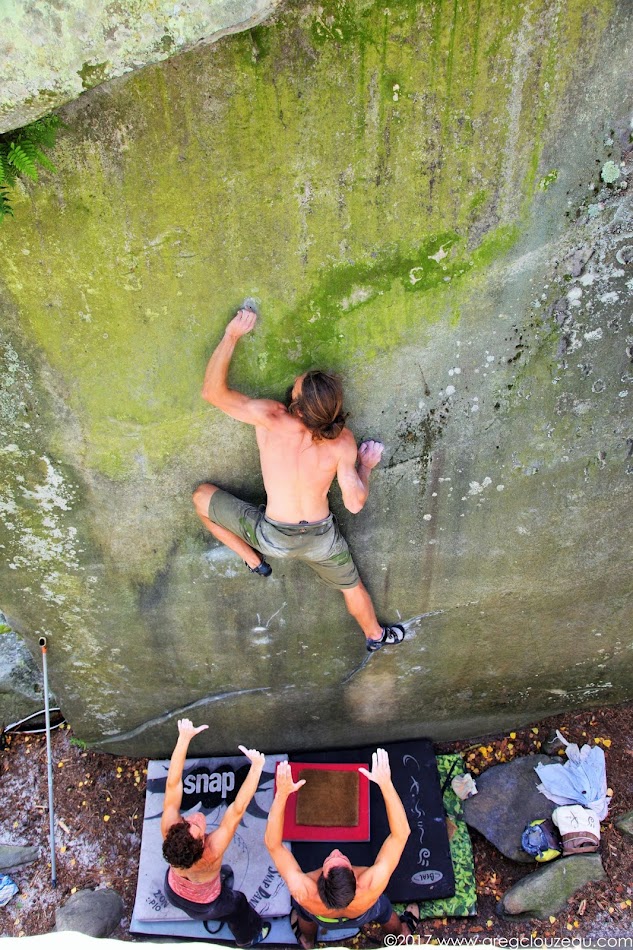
196, 881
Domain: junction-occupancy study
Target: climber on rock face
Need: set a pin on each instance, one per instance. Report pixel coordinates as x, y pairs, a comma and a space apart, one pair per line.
303, 445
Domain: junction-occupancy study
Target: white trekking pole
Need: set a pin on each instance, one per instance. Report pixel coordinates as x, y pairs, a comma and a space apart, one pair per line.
49, 757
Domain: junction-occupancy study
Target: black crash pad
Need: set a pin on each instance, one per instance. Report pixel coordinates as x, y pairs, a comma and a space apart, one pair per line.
425, 871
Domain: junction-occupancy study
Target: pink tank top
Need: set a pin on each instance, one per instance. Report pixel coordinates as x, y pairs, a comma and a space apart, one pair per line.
202, 893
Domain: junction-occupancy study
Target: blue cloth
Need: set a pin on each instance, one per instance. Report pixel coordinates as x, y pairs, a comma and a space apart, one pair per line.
582, 780
8, 889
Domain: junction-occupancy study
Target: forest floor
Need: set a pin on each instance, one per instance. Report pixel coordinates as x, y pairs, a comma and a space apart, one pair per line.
99, 802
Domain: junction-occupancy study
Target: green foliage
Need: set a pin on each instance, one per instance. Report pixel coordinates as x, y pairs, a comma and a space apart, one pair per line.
79, 743
21, 151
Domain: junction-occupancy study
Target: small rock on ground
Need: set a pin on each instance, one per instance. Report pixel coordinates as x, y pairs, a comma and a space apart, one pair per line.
506, 801
546, 891
552, 743
95, 913
15, 855
625, 823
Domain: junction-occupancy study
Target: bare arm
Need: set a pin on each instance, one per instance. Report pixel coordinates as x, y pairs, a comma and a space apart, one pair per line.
223, 835
299, 884
173, 787
389, 855
215, 388
353, 472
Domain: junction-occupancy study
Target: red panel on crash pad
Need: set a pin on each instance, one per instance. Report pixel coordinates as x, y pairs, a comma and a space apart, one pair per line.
360, 832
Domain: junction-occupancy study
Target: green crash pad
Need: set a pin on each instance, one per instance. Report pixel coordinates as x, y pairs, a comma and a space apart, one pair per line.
464, 901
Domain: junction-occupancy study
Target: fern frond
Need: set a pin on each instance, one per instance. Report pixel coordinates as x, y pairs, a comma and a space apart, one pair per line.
21, 150
18, 157
44, 131
5, 206
36, 155
8, 173
44, 161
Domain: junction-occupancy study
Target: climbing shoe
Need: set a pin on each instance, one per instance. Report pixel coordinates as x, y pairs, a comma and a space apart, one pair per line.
390, 636
264, 569
261, 936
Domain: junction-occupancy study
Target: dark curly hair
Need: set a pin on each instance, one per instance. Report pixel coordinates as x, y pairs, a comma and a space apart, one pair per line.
338, 889
320, 404
180, 848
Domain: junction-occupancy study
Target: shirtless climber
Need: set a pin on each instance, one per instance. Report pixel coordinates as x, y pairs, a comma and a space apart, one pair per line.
339, 895
194, 881
302, 447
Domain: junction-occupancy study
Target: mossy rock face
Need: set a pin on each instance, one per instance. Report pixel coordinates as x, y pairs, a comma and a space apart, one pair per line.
383, 181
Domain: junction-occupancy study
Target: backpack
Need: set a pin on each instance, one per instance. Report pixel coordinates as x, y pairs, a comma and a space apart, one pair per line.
540, 840
579, 829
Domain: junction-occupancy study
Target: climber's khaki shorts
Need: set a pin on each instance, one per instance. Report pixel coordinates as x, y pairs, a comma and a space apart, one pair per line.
319, 543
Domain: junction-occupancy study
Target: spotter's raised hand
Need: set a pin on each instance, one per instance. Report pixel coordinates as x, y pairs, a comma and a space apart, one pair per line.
187, 729
256, 758
380, 768
283, 779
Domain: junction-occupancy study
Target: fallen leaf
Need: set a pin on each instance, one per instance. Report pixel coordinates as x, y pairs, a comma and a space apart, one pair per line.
552, 920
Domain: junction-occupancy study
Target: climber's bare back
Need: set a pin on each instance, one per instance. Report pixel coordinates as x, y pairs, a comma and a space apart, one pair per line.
298, 471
